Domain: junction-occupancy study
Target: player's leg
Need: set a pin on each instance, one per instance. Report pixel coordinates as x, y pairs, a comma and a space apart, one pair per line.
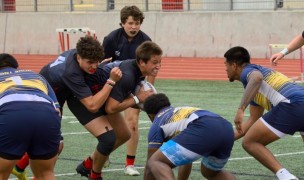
19, 169
132, 117
103, 131
44, 169
281, 120
6, 167
120, 127
216, 175
159, 166
184, 171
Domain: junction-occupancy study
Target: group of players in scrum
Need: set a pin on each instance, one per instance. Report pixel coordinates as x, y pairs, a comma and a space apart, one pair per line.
96, 92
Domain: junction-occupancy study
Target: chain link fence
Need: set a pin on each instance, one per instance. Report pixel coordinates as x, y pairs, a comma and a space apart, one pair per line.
147, 5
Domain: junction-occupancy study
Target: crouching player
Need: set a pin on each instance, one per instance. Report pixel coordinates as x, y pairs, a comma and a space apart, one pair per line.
191, 133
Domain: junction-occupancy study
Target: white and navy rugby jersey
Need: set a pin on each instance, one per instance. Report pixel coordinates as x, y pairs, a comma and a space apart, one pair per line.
24, 85
171, 121
274, 89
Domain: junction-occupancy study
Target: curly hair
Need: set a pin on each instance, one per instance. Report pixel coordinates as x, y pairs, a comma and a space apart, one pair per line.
90, 48
133, 11
154, 103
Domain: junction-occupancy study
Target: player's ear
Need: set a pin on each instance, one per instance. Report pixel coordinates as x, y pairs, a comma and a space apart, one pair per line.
151, 116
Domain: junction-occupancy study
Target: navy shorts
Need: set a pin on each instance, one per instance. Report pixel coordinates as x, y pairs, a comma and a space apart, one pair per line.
83, 115
209, 138
286, 118
32, 127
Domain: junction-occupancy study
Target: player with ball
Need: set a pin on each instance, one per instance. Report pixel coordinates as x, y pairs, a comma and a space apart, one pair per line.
107, 124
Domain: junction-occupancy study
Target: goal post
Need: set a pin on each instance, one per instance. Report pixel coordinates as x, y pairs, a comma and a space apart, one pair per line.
64, 35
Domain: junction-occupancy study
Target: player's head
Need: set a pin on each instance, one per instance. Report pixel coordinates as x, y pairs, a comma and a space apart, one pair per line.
131, 18
148, 58
89, 53
235, 59
132, 11
154, 103
7, 60
238, 55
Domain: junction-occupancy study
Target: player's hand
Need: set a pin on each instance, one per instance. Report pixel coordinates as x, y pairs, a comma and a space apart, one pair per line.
275, 57
143, 95
115, 74
238, 121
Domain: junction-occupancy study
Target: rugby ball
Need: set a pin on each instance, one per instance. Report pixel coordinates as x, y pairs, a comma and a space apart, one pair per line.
147, 86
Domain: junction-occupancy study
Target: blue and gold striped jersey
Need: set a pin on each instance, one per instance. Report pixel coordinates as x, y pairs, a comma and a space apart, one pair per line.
16, 81
275, 87
171, 121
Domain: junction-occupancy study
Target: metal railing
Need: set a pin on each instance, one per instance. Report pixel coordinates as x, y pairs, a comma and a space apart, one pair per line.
147, 5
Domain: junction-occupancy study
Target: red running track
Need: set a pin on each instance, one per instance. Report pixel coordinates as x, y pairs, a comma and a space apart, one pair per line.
180, 68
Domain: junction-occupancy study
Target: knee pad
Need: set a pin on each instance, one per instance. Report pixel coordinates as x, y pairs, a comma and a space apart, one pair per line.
106, 142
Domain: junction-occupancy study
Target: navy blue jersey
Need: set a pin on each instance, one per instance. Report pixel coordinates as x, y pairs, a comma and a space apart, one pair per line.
131, 76
66, 77
117, 45
24, 85
170, 122
275, 88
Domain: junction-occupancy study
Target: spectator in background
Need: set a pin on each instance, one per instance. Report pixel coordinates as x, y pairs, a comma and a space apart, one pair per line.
293, 45
265, 89
181, 135
121, 44
30, 120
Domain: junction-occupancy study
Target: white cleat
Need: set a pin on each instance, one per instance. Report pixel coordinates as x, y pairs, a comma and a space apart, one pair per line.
131, 171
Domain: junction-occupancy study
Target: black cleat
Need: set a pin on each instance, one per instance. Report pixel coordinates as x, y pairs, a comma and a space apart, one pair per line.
83, 171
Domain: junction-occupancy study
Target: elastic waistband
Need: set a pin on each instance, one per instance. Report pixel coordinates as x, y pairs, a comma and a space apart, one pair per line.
22, 97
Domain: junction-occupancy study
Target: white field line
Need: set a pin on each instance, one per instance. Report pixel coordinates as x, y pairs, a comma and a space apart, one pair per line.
197, 162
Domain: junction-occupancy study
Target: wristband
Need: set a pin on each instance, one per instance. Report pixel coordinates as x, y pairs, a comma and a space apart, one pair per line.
136, 99
111, 82
284, 51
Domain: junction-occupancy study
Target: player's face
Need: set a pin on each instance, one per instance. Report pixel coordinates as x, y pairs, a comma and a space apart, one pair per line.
230, 70
152, 67
87, 65
131, 27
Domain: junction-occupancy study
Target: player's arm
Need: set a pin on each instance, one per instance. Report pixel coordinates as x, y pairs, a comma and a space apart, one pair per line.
255, 79
93, 103
293, 45
114, 106
147, 173
255, 113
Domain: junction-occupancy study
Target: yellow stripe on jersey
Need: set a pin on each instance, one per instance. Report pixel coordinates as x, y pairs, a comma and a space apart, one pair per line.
277, 80
11, 83
181, 114
262, 101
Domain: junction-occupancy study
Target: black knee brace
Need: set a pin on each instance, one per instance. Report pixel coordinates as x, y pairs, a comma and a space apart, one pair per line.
106, 142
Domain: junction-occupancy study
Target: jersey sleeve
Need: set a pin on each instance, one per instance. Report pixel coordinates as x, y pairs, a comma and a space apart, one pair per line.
155, 137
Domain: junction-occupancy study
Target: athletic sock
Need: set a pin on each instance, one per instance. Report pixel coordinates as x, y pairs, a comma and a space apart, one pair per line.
95, 175
22, 163
284, 174
88, 163
130, 160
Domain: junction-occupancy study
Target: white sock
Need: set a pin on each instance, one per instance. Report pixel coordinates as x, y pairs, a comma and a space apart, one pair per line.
284, 174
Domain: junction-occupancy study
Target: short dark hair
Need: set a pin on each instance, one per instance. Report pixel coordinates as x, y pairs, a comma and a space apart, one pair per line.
238, 55
7, 60
90, 48
133, 11
146, 50
154, 103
